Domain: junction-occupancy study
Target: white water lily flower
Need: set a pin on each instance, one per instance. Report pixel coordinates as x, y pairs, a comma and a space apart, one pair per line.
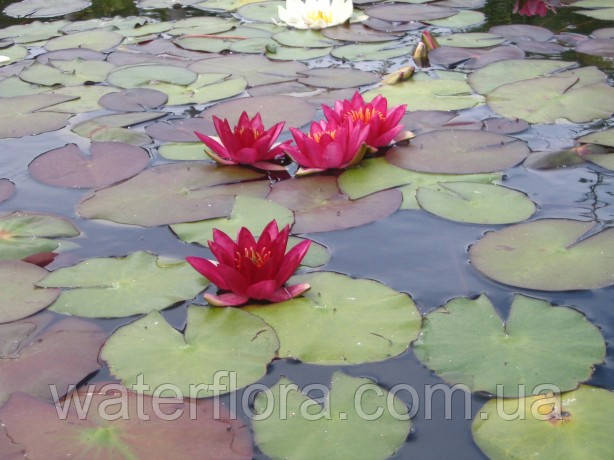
315, 14
4, 58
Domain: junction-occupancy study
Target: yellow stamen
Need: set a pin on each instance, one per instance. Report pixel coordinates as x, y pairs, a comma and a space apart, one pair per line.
364, 115
257, 258
319, 15
317, 136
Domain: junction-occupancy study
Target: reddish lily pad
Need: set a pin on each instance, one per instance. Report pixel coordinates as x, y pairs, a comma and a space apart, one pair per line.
109, 162
19, 296
459, 152
173, 193
44, 9
473, 58
546, 48
112, 128
357, 33
70, 54
273, 109
153, 427
133, 100
24, 234
520, 32
319, 205
36, 355
392, 27
545, 255
471, 40
338, 78
601, 50
405, 13
7, 189
180, 130
25, 116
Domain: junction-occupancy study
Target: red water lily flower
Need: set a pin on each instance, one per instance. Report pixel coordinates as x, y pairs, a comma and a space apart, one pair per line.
248, 144
533, 7
252, 269
329, 145
383, 124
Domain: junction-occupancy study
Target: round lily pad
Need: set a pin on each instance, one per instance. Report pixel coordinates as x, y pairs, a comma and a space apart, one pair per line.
545, 255
574, 425
144, 427
183, 151
461, 20
173, 193
375, 174
97, 40
295, 434
600, 137
14, 86
124, 286
336, 78
603, 48
19, 297
261, 11
287, 53
475, 203
12, 54
459, 151
471, 40
518, 32
138, 75
252, 213
7, 189
23, 234
35, 355
473, 58
181, 130
398, 12
109, 162
88, 71
313, 328
319, 205
371, 51
112, 128
44, 8
605, 14
25, 116
133, 100
219, 345
273, 109
206, 88
357, 33
432, 94
85, 98
304, 38
548, 99
466, 342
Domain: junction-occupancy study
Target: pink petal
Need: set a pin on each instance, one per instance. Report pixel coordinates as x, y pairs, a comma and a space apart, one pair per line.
208, 269
268, 166
245, 239
288, 292
214, 145
291, 261
225, 241
262, 289
229, 299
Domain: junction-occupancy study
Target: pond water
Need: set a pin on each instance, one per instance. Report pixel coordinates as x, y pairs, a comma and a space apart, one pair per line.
410, 251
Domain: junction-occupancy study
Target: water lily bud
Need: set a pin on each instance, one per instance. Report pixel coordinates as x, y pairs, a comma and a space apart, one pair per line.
420, 56
429, 41
271, 48
402, 74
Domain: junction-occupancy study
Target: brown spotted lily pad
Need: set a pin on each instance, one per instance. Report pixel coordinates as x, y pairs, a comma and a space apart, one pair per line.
459, 152
319, 205
158, 429
173, 193
109, 162
34, 355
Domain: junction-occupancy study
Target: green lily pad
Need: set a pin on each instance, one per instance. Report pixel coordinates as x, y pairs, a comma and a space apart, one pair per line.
224, 5
375, 174
337, 78
44, 8
475, 203
357, 33
23, 234
218, 343
313, 328
406, 13
183, 151
109, 162
605, 160
471, 40
172, 193
257, 70
581, 431
545, 255
35, 355
433, 94
601, 137
33, 32
133, 100
261, 11
548, 99
225, 41
15, 86
488, 78
605, 14
296, 434
139, 75
461, 20
287, 53
371, 51
459, 151
86, 70
526, 32
19, 297
466, 342
253, 213
304, 38
97, 40
316, 256
203, 90
319, 205
87, 95
26, 116
204, 25
112, 128
165, 428
116, 287
146, 29
13, 53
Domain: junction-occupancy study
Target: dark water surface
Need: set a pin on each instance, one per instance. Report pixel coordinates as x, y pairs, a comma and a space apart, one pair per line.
411, 251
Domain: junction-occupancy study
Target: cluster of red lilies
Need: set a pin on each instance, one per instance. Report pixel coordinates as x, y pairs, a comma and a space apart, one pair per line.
258, 269
351, 129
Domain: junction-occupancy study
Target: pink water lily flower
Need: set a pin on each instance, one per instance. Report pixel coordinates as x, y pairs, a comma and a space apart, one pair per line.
249, 143
384, 124
251, 269
329, 145
533, 7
